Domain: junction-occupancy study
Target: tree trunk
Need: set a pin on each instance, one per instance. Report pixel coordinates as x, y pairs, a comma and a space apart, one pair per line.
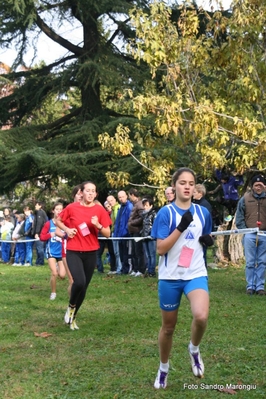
229, 247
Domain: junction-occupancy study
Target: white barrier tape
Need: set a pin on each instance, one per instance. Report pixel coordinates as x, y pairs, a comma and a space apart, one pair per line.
213, 233
261, 233
126, 238
236, 231
17, 241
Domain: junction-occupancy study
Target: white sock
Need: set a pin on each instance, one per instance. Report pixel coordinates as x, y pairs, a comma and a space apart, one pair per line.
164, 367
193, 348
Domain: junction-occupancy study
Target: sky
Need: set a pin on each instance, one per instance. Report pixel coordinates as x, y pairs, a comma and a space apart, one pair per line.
49, 51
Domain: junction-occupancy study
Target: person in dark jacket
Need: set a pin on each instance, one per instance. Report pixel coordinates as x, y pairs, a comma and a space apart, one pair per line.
40, 218
134, 227
199, 197
149, 246
229, 184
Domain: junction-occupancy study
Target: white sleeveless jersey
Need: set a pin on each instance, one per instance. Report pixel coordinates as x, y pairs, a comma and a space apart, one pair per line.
166, 221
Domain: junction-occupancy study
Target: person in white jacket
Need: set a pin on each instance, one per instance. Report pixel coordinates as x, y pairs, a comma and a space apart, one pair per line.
7, 228
20, 249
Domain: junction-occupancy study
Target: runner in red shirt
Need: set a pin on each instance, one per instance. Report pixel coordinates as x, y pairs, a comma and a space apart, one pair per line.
82, 222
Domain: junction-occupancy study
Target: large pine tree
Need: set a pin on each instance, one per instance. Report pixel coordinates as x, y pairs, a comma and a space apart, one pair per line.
47, 140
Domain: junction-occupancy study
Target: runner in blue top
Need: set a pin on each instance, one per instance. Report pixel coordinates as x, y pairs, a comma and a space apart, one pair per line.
54, 248
182, 229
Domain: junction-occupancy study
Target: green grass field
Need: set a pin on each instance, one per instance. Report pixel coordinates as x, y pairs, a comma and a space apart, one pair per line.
114, 354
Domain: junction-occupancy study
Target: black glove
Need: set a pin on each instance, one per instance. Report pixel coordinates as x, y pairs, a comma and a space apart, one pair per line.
185, 221
206, 240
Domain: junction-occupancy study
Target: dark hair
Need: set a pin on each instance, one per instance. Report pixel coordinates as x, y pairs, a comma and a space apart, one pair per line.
134, 191
179, 172
56, 204
27, 208
41, 203
147, 199
82, 186
225, 176
75, 191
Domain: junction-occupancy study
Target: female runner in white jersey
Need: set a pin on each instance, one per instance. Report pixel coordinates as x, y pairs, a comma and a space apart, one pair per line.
182, 229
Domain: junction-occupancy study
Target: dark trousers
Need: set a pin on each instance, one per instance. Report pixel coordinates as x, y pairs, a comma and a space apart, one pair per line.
100, 252
112, 255
99, 256
138, 256
81, 266
230, 204
39, 245
123, 251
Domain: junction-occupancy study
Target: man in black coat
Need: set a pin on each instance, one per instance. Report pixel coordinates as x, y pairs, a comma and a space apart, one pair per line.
40, 218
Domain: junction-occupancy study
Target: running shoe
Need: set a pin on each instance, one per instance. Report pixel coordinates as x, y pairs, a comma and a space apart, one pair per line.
53, 296
138, 274
73, 325
161, 380
196, 364
69, 316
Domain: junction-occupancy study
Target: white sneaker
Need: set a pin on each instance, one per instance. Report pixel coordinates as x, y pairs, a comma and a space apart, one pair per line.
196, 364
161, 380
138, 274
69, 316
73, 325
15, 264
27, 264
133, 274
112, 272
53, 296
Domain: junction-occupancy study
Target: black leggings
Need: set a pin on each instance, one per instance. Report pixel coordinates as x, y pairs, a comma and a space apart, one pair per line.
81, 266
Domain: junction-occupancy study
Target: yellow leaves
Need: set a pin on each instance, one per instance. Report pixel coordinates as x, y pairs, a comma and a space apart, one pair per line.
208, 107
120, 144
161, 172
117, 180
188, 22
211, 157
246, 158
250, 68
155, 33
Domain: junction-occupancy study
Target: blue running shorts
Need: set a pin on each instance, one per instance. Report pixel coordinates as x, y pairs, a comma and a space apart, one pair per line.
170, 291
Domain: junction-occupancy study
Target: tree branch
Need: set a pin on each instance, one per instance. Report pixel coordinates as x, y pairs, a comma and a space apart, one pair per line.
59, 122
144, 166
144, 185
58, 39
38, 71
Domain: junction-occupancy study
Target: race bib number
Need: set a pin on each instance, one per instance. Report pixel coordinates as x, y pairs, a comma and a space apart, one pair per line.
85, 231
185, 257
